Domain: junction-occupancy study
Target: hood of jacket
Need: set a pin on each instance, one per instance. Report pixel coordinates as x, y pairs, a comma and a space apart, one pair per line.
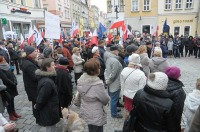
174, 84
158, 60
193, 100
41, 73
86, 81
143, 55
108, 55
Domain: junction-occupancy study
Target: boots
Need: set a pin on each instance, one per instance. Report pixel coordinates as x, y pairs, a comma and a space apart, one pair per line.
16, 115
12, 117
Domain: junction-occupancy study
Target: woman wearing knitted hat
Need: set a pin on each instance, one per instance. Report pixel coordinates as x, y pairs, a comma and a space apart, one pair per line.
132, 79
177, 94
154, 107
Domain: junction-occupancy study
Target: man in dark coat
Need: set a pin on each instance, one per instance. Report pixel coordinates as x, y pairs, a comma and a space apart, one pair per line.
101, 47
64, 83
4, 52
29, 66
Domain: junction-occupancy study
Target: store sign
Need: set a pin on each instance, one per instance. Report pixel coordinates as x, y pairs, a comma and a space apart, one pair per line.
183, 21
3, 21
20, 10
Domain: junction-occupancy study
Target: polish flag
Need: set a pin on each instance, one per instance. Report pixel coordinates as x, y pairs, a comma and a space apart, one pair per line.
75, 31
21, 39
118, 23
30, 36
60, 40
94, 39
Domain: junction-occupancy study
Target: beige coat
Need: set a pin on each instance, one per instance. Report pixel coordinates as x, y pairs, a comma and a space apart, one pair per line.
78, 66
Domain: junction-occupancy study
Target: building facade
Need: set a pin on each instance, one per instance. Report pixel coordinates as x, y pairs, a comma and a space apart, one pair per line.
182, 16
20, 15
95, 10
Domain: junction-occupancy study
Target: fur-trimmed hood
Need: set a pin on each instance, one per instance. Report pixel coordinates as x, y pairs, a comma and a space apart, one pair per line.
41, 73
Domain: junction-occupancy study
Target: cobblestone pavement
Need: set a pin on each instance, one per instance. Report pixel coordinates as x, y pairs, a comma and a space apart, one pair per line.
190, 70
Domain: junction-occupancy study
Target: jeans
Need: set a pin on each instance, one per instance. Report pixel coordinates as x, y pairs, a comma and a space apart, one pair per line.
77, 76
176, 53
51, 128
114, 97
93, 128
11, 106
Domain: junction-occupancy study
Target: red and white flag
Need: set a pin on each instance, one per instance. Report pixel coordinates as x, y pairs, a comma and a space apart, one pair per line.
75, 30
94, 39
21, 39
37, 36
30, 36
118, 23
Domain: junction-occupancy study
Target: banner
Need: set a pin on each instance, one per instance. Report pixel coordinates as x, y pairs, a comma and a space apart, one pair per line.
52, 26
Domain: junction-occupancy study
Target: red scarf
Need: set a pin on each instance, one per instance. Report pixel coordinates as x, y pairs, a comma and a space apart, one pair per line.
62, 67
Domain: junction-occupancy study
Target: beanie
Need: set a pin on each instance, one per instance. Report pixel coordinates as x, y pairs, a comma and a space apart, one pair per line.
157, 81
63, 61
47, 51
131, 48
173, 72
134, 59
114, 47
29, 50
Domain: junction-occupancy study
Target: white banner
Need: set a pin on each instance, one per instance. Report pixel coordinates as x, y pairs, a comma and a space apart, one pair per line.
52, 26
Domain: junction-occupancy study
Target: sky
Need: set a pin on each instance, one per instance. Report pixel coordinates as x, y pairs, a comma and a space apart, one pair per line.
101, 4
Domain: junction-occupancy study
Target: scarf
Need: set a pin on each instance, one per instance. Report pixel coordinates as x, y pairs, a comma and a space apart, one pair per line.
4, 67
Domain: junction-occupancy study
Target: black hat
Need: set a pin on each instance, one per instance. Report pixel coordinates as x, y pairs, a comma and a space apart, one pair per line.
63, 61
47, 51
131, 48
29, 50
114, 47
109, 45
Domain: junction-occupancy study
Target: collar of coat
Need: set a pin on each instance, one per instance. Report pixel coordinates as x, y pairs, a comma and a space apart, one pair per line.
158, 93
39, 72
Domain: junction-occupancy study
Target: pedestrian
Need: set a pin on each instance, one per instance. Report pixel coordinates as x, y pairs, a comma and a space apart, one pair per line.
4, 52
47, 103
29, 66
93, 97
198, 47
47, 53
164, 49
182, 45
177, 94
195, 124
177, 43
170, 47
112, 79
157, 63
189, 46
78, 63
10, 81
132, 79
130, 49
192, 103
144, 59
154, 107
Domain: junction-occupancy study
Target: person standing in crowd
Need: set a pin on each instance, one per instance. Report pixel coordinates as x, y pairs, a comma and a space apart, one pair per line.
195, 124
157, 63
182, 45
47, 103
78, 63
177, 43
170, 47
29, 66
64, 83
164, 49
198, 47
101, 44
10, 81
144, 59
47, 53
154, 107
67, 53
13, 57
4, 52
189, 46
177, 94
112, 79
132, 79
192, 103
149, 48
93, 97
130, 49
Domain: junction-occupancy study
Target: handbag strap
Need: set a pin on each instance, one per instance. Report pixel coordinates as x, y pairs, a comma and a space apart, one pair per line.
129, 75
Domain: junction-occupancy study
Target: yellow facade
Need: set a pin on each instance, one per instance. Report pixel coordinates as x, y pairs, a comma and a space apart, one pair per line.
152, 12
178, 21
28, 3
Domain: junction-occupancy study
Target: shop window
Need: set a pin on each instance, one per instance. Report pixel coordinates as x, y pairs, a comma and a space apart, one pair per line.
109, 6
176, 30
146, 29
23, 2
146, 6
168, 4
189, 4
178, 4
187, 30
135, 5
121, 5
36, 4
17, 28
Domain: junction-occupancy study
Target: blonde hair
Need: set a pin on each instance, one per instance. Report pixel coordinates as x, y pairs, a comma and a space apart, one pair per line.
157, 53
141, 49
198, 84
75, 49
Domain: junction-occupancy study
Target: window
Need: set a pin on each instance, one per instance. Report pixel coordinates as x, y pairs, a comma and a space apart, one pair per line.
36, 4
135, 5
168, 4
45, 8
187, 30
176, 30
13, 1
146, 29
188, 4
146, 5
67, 14
23, 2
109, 8
178, 4
60, 11
121, 6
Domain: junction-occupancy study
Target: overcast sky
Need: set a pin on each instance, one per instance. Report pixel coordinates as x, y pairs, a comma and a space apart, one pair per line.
101, 4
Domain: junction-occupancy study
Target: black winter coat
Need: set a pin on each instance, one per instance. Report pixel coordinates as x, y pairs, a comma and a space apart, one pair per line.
154, 111
177, 95
189, 45
47, 104
5, 55
13, 54
64, 86
30, 80
10, 81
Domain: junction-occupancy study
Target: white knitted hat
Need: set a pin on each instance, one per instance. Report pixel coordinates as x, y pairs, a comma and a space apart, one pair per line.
158, 81
134, 59
94, 49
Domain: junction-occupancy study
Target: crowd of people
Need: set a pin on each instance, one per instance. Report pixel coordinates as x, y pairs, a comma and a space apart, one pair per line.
136, 73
